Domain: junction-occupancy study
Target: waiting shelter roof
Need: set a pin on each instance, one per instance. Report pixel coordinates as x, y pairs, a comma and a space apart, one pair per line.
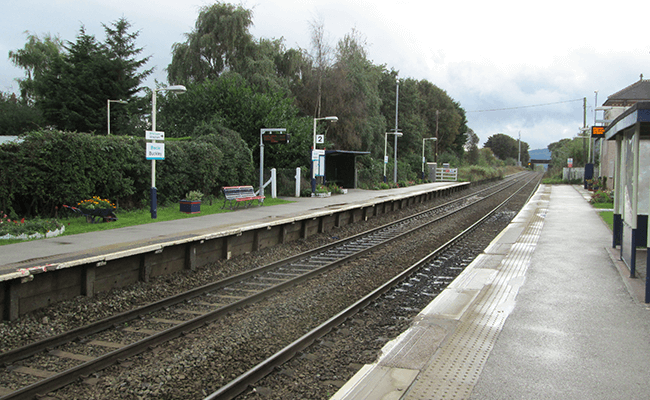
638, 113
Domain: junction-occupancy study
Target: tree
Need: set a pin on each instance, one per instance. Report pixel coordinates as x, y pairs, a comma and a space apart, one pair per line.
122, 51
352, 95
505, 147
126, 75
321, 57
219, 42
35, 58
72, 91
17, 116
471, 148
565, 149
230, 102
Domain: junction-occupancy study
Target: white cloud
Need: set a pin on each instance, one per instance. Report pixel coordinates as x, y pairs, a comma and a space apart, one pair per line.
498, 54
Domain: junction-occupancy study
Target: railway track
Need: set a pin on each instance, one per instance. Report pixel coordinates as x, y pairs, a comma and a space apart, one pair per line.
62, 359
435, 268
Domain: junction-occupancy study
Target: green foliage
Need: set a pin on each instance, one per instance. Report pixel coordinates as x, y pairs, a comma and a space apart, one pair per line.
487, 158
17, 116
193, 195
476, 173
351, 92
507, 148
472, 155
563, 150
229, 102
237, 167
71, 84
602, 197
16, 227
35, 58
52, 168
220, 41
450, 158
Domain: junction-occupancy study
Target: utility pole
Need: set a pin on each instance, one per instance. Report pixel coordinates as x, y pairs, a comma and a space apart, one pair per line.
519, 155
584, 129
396, 130
435, 158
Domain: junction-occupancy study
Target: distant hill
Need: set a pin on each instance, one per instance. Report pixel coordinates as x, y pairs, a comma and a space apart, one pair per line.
540, 154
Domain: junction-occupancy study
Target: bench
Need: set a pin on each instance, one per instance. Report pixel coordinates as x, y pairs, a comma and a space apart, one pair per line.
235, 195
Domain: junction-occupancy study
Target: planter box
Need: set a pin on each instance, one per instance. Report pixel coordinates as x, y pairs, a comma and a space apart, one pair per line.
190, 207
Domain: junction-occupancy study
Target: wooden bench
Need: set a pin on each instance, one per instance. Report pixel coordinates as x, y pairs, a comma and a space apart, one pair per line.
235, 195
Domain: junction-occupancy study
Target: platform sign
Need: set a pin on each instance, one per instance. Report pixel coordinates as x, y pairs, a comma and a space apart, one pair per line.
275, 137
597, 131
155, 135
155, 151
316, 154
320, 139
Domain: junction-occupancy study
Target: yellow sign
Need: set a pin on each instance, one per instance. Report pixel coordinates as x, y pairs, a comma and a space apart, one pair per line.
597, 131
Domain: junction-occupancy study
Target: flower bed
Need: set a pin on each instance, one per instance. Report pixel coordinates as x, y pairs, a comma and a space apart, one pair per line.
28, 229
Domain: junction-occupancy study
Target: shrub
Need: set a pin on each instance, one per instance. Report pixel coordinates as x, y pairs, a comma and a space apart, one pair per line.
602, 196
50, 168
16, 228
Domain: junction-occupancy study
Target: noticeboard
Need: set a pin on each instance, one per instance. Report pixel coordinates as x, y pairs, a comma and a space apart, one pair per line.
276, 137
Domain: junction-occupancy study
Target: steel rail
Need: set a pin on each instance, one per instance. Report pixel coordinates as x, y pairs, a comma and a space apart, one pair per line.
245, 380
14, 355
85, 369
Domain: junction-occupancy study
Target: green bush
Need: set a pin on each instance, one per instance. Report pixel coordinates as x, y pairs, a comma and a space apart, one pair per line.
602, 197
51, 168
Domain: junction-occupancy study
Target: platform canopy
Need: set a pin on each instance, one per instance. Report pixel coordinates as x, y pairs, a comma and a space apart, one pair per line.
631, 132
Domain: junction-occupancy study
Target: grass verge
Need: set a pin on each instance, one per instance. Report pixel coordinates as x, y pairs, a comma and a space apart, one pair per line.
76, 224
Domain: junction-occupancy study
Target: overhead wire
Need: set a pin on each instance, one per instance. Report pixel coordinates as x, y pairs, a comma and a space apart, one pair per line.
534, 105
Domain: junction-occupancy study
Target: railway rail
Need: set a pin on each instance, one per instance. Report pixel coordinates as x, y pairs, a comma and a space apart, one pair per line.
273, 363
85, 350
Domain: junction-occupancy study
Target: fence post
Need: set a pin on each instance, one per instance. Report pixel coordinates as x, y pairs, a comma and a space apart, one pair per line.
297, 182
274, 189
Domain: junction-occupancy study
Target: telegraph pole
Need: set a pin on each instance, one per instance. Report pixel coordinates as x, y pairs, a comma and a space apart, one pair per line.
435, 158
396, 130
584, 129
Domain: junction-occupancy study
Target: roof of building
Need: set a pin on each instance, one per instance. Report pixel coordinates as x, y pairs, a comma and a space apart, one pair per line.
639, 113
638, 91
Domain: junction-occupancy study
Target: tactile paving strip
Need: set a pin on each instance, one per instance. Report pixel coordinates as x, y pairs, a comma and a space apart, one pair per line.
455, 369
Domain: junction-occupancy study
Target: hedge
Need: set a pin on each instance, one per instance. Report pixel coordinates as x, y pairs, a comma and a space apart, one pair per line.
51, 168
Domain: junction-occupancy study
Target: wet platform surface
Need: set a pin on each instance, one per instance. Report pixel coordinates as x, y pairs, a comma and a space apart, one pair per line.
547, 312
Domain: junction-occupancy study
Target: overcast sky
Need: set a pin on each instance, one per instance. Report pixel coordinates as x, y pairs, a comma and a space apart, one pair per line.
537, 60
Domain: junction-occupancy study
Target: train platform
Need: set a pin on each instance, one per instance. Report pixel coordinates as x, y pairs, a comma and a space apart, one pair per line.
17, 258
546, 312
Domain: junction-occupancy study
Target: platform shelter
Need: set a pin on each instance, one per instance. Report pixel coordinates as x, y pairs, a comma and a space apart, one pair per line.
631, 134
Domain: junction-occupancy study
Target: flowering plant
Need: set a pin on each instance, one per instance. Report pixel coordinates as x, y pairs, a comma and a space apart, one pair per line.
96, 203
15, 228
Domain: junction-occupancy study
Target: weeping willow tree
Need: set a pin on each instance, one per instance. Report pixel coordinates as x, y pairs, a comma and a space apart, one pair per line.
220, 41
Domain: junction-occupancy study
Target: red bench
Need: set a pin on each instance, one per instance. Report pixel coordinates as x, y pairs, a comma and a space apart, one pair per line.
235, 195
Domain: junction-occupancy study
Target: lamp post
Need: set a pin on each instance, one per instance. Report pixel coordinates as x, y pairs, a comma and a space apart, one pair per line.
313, 161
424, 160
108, 111
397, 134
173, 89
